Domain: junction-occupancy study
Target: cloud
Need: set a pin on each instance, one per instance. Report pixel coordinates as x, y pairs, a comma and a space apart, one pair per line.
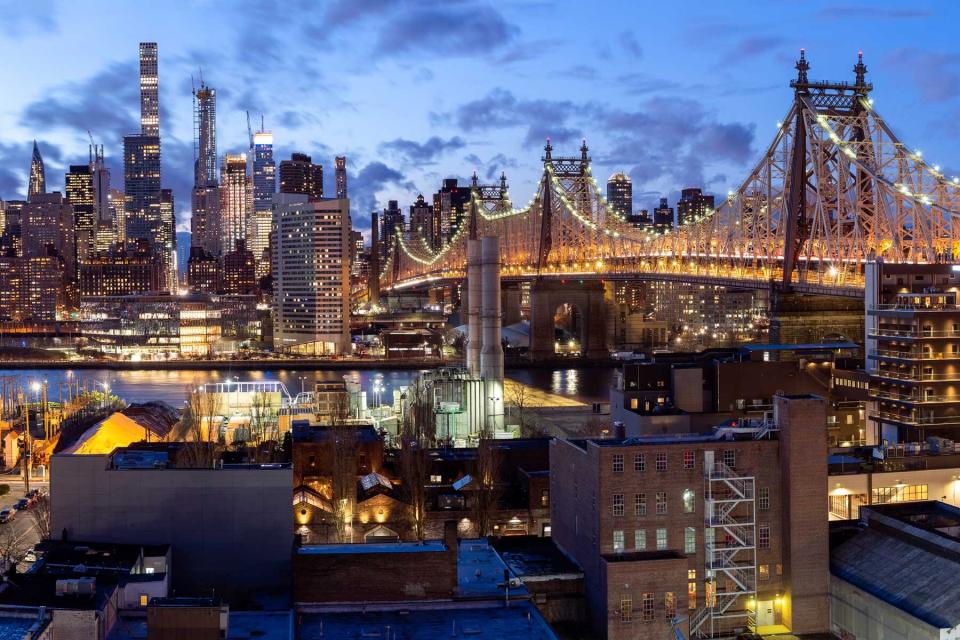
750, 47
492, 168
21, 19
630, 44
501, 109
936, 75
373, 178
15, 167
422, 153
848, 12
445, 29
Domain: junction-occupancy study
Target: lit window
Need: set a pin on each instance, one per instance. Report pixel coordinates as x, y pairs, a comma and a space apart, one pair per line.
144, 599
618, 541
669, 605
640, 540
763, 572
689, 540
661, 539
626, 609
689, 500
692, 595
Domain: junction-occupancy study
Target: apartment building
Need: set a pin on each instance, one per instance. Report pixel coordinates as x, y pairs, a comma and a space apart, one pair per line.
726, 530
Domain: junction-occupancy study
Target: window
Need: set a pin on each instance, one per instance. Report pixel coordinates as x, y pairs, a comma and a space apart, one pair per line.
691, 574
618, 541
640, 504
661, 539
626, 609
730, 458
618, 504
640, 539
689, 498
661, 461
647, 607
639, 462
900, 493
764, 541
669, 605
144, 599
763, 572
434, 478
661, 502
618, 463
545, 498
763, 498
689, 540
688, 459
692, 594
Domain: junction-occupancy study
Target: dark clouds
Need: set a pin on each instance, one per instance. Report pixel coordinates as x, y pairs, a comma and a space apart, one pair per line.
371, 179
874, 12
422, 153
501, 109
449, 29
15, 167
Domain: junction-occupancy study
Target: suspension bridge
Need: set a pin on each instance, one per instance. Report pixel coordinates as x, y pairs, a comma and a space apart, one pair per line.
834, 188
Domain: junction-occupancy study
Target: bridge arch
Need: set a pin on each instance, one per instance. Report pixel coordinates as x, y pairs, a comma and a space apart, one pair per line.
546, 296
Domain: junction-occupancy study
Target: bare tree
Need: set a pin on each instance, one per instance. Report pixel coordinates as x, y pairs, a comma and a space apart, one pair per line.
40, 512
486, 484
343, 478
199, 428
418, 410
12, 550
261, 418
413, 470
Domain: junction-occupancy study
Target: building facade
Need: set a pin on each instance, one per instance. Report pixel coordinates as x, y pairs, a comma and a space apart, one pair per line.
693, 205
300, 175
236, 201
620, 194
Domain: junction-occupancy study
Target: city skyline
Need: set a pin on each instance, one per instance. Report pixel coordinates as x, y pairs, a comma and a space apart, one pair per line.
487, 105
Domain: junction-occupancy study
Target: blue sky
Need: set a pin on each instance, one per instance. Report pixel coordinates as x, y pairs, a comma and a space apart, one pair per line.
677, 94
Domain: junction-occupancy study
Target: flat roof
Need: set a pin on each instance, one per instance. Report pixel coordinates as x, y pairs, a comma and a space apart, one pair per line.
480, 571
809, 346
428, 546
488, 622
535, 557
243, 625
16, 627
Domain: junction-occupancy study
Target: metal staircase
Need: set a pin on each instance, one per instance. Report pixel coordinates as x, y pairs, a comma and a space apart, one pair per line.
730, 556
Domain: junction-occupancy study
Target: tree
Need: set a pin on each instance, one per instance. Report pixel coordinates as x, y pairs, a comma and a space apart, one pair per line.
520, 398
343, 478
12, 550
199, 428
40, 512
414, 467
486, 484
261, 418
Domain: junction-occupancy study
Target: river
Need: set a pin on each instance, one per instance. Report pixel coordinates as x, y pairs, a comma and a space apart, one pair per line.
583, 384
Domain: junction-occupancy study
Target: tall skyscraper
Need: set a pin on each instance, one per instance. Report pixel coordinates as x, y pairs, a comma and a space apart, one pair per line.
78, 184
264, 171
340, 165
450, 206
422, 221
393, 223
103, 216
167, 238
663, 216
205, 197
620, 194
38, 178
149, 90
692, 206
300, 175
311, 277
48, 231
236, 201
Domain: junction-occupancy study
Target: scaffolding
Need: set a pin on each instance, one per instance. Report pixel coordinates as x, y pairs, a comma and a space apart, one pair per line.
730, 555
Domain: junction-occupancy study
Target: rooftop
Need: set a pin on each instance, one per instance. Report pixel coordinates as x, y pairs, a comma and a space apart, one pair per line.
486, 621
373, 547
480, 571
18, 624
531, 557
242, 625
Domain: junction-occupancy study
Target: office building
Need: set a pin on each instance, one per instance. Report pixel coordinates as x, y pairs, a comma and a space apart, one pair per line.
78, 184
47, 228
236, 201
391, 224
205, 219
620, 194
205, 196
239, 271
727, 529
340, 167
167, 238
149, 90
693, 206
31, 289
121, 272
264, 171
118, 214
300, 175
203, 271
663, 217
38, 178
913, 351
141, 188
450, 205
104, 234
422, 221
311, 280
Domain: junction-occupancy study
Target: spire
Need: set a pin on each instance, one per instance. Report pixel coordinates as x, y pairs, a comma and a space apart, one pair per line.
860, 70
583, 151
38, 180
547, 151
503, 182
802, 67
474, 180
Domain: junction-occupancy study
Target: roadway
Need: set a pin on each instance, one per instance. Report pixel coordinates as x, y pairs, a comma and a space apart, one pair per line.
23, 528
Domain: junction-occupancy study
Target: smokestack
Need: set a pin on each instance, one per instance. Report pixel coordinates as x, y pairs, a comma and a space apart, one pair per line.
474, 296
373, 280
491, 353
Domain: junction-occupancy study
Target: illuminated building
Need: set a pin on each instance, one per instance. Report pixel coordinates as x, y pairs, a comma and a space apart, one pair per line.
239, 271
340, 166
141, 187
30, 288
422, 221
104, 232
264, 172
311, 295
47, 229
149, 90
11, 238
203, 271
693, 206
205, 219
78, 184
663, 217
167, 237
121, 273
118, 214
620, 194
38, 178
449, 206
300, 175
392, 223
236, 201
205, 197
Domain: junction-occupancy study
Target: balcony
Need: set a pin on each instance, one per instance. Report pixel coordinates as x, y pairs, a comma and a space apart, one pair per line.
914, 399
913, 355
917, 421
912, 333
908, 376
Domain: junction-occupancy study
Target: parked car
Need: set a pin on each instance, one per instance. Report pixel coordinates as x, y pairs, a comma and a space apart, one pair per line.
7, 515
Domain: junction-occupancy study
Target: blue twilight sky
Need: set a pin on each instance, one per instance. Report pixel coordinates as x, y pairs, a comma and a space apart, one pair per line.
676, 93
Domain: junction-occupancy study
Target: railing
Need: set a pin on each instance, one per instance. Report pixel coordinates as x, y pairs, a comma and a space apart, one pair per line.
912, 333
918, 421
917, 377
915, 355
906, 306
919, 399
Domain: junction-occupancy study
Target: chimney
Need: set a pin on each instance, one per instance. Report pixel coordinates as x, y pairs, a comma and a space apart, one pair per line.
491, 351
474, 289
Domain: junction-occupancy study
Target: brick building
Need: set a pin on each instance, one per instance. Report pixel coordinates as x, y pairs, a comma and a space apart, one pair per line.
727, 527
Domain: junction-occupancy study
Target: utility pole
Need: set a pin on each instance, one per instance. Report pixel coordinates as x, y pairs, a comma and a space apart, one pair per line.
26, 456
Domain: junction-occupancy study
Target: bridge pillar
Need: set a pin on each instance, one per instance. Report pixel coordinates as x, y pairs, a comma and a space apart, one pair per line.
588, 297
510, 304
800, 319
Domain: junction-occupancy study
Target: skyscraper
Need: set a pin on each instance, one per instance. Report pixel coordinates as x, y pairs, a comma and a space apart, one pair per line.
311, 278
205, 197
105, 231
78, 184
300, 175
340, 165
167, 237
663, 216
38, 178
236, 201
393, 223
620, 194
264, 171
449, 206
422, 220
692, 206
149, 90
